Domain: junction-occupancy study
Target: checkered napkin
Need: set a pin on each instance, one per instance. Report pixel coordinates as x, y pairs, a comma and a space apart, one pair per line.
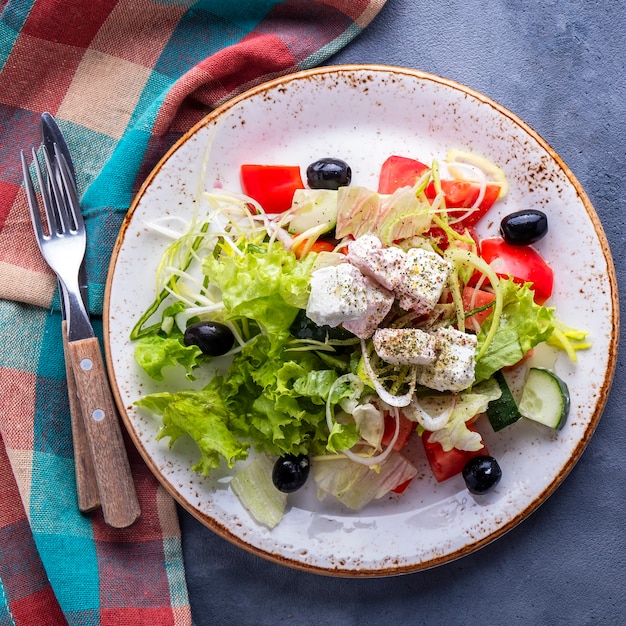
124, 79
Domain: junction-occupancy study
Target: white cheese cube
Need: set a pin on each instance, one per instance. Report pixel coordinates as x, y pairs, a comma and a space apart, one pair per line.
338, 294
424, 278
385, 265
379, 302
404, 346
453, 367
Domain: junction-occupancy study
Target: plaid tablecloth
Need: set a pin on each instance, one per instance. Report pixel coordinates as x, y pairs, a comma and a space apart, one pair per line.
124, 78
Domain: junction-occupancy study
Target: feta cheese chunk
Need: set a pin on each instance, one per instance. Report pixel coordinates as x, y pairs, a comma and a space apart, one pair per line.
338, 294
379, 303
416, 277
453, 367
385, 265
424, 278
404, 346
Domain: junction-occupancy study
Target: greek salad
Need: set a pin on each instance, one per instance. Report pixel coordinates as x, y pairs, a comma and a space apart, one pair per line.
330, 324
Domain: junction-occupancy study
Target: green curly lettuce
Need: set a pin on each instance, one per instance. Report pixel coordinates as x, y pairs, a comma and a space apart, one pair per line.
272, 398
522, 325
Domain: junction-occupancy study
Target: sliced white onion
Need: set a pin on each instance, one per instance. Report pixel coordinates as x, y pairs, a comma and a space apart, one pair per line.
385, 396
477, 175
497, 174
472, 303
357, 458
428, 421
160, 226
379, 458
352, 379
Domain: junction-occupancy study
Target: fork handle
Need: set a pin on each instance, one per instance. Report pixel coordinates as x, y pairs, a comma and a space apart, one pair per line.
115, 482
86, 485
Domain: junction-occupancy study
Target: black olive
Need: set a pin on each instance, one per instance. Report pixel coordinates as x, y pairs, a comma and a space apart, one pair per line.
481, 474
305, 328
328, 174
213, 338
290, 472
524, 227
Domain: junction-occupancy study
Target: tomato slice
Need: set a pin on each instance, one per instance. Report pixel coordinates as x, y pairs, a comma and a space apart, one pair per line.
471, 190
319, 246
462, 194
405, 429
441, 238
399, 171
448, 464
272, 186
401, 488
475, 299
522, 263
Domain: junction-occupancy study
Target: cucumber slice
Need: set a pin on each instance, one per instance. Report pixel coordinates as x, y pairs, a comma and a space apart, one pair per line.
545, 398
504, 411
313, 207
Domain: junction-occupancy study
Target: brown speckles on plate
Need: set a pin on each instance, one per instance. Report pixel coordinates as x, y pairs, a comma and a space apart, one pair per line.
376, 111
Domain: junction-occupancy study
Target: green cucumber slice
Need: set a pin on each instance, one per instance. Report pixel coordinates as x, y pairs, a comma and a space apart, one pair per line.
504, 411
545, 398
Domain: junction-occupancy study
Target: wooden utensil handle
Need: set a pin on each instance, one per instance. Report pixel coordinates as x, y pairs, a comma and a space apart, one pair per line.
115, 482
86, 485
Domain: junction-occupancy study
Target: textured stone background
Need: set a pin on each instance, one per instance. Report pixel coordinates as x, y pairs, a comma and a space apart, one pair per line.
559, 65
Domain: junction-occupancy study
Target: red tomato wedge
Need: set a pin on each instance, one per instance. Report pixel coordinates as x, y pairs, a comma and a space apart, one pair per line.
399, 171
448, 464
522, 263
461, 194
475, 299
272, 186
319, 246
401, 488
442, 239
405, 429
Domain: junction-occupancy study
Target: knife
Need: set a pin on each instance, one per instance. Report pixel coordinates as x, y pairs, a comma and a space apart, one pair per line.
86, 485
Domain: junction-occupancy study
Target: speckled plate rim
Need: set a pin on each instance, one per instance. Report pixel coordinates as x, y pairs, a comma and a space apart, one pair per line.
602, 394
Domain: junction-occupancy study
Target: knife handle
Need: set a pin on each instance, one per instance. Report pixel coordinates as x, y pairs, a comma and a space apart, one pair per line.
115, 482
86, 485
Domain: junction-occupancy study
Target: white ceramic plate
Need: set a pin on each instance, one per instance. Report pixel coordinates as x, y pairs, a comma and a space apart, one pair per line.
363, 114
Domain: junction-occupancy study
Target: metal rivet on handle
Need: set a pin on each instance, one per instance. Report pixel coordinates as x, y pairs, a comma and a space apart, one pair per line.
86, 364
98, 415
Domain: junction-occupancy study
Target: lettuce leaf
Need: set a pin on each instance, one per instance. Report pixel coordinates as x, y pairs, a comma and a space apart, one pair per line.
272, 398
370, 421
255, 489
268, 399
355, 484
266, 283
456, 434
203, 416
154, 352
164, 347
523, 324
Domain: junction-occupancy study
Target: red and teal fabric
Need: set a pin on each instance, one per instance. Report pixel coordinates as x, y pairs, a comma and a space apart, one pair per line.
124, 79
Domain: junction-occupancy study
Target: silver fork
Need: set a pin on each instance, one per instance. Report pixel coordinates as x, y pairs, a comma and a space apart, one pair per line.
62, 241
87, 493
63, 245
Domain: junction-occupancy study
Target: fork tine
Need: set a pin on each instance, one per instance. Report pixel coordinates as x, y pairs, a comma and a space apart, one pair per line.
65, 222
69, 189
33, 204
50, 205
